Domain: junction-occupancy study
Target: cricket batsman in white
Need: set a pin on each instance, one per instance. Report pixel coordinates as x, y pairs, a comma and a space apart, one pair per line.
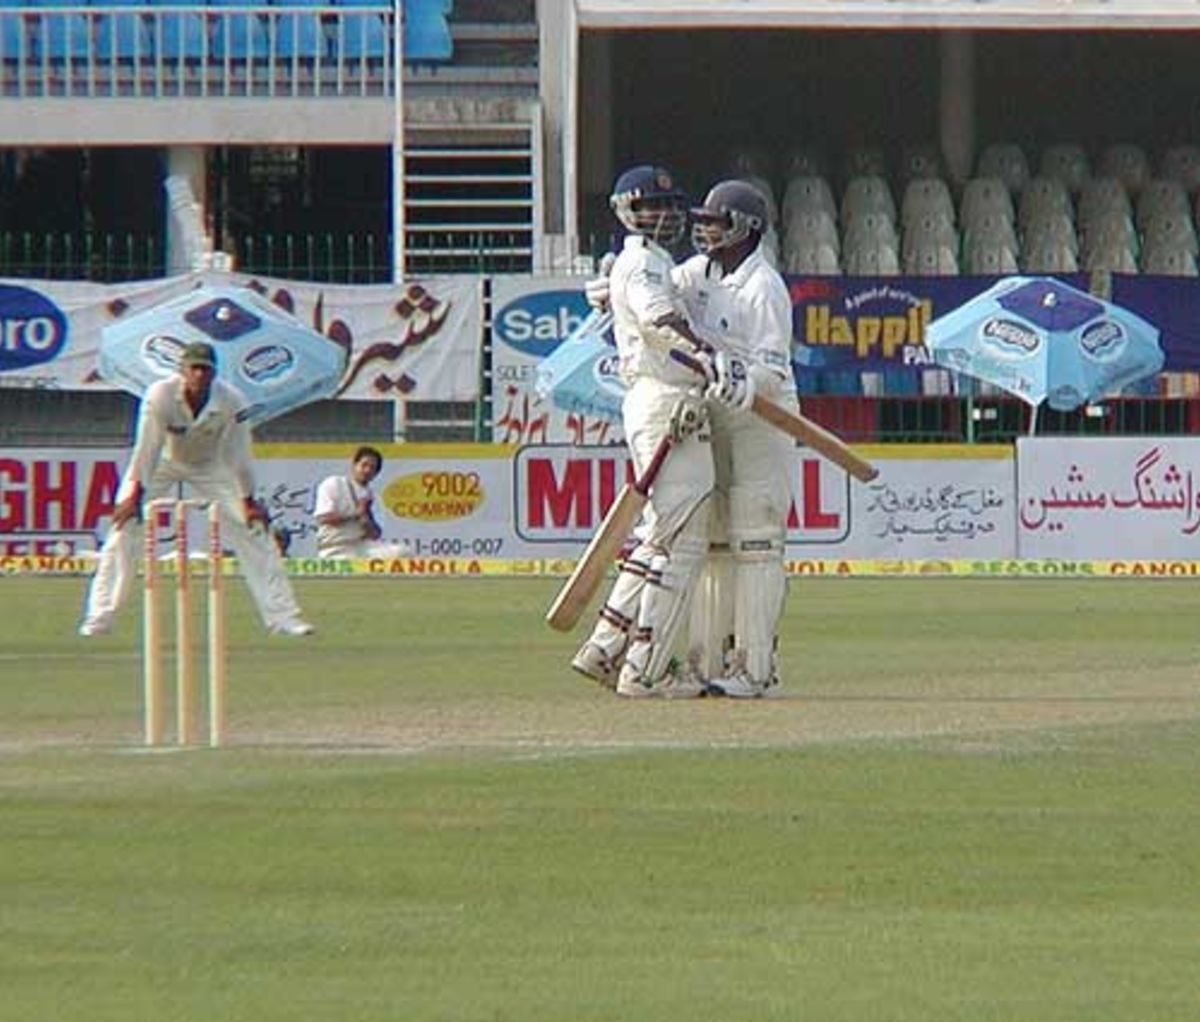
634, 638
191, 429
740, 310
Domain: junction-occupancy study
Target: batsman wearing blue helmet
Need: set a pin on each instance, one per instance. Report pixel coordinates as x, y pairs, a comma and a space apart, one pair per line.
633, 641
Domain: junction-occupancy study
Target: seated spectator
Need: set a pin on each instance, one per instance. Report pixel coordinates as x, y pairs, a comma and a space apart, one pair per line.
346, 524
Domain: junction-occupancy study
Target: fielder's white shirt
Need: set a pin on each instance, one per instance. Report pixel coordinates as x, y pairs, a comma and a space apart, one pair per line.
214, 444
747, 312
641, 292
339, 495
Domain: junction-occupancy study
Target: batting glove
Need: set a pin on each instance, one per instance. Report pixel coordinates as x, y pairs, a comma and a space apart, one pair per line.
732, 384
597, 290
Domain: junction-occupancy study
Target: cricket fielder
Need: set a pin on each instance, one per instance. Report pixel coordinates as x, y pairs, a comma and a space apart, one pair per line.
191, 430
634, 637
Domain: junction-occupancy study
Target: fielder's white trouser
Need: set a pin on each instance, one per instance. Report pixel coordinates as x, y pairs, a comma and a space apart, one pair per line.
257, 556
641, 617
740, 596
367, 549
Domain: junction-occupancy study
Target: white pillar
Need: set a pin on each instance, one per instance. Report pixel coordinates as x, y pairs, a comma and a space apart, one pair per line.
399, 246
957, 104
187, 162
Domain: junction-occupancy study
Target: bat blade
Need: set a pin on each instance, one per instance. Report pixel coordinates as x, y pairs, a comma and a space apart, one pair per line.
814, 436
577, 592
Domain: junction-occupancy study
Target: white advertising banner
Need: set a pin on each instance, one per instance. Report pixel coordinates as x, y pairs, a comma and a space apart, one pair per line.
417, 340
540, 502
531, 316
1104, 498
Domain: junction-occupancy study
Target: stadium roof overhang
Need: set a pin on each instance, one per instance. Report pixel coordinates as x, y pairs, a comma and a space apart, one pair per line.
1043, 15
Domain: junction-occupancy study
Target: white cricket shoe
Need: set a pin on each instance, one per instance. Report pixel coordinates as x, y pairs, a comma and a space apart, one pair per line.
94, 626
592, 662
738, 685
293, 628
679, 682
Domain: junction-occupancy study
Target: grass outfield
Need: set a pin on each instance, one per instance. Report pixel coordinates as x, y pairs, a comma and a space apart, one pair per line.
976, 800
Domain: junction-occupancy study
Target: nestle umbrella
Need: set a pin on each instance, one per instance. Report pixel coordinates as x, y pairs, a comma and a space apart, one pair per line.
1046, 341
272, 359
580, 375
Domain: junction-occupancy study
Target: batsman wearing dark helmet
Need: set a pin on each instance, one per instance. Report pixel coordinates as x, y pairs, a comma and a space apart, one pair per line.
633, 641
739, 304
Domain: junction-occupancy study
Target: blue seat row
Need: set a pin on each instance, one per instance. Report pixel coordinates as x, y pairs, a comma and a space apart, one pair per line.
191, 36
240, 31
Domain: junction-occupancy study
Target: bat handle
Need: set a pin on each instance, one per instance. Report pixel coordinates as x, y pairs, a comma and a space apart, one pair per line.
644, 481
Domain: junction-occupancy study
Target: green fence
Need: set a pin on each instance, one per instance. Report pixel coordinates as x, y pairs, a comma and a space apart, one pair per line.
329, 257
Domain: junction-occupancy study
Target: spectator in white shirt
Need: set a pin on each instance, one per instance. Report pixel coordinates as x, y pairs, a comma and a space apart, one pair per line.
346, 522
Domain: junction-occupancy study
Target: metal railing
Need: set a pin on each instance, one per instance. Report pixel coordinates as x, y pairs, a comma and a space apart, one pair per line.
77, 52
334, 258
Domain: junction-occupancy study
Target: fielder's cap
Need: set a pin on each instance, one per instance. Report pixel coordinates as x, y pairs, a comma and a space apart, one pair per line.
199, 353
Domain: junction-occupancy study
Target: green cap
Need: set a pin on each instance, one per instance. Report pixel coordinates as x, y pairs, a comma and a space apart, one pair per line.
199, 353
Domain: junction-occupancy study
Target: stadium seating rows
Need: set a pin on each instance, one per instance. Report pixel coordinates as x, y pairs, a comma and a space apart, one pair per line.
54, 30
1065, 213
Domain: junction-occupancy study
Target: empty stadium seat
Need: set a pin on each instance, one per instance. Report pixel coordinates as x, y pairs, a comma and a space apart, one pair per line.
867, 195
180, 35
932, 260
987, 233
1182, 163
1103, 197
865, 161
808, 193
1006, 161
1163, 195
239, 33
919, 160
1069, 163
985, 197
299, 35
808, 227
1169, 262
805, 161
360, 36
880, 260
867, 230
1167, 230
925, 197
1128, 163
61, 35
1109, 254
1108, 230
1053, 227
990, 260
1042, 197
426, 30
812, 256
1048, 254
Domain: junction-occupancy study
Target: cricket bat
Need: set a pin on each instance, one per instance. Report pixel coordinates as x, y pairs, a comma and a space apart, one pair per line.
577, 592
805, 430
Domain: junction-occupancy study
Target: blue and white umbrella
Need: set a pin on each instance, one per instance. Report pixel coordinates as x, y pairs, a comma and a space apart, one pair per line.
1046, 341
272, 359
581, 374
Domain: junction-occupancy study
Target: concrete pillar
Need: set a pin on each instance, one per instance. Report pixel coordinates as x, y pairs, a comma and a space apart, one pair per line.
187, 162
957, 104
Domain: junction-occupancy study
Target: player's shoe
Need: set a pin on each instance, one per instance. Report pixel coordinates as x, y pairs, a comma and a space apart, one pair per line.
678, 682
93, 626
738, 685
592, 662
294, 628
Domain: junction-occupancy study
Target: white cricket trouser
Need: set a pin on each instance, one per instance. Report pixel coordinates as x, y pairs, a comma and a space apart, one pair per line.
641, 617
257, 556
741, 596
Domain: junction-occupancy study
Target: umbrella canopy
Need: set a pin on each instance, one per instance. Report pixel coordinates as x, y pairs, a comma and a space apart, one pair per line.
581, 374
1044, 340
272, 359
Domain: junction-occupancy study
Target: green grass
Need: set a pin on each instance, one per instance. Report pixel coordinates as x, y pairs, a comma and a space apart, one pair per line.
978, 801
